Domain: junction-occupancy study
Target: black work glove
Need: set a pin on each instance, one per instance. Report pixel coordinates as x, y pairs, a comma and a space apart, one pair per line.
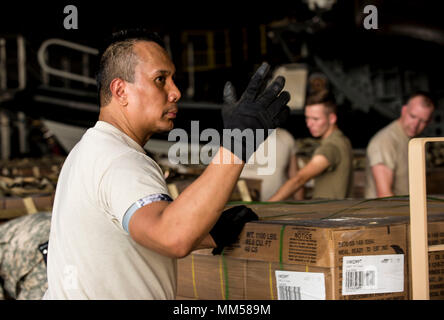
256, 109
229, 226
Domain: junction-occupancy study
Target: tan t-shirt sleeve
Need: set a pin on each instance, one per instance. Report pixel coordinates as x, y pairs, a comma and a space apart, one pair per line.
129, 179
381, 152
331, 152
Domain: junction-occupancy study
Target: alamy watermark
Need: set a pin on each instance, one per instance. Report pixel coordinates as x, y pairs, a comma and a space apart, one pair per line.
70, 278
371, 20
71, 21
183, 152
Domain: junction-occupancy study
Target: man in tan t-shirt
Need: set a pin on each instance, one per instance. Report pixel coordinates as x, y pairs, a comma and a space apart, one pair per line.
331, 166
387, 152
116, 233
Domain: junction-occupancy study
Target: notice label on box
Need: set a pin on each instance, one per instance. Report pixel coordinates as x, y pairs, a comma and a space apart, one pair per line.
372, 274
292, 285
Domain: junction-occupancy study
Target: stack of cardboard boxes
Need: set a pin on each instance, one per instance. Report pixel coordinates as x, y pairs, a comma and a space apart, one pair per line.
350, 249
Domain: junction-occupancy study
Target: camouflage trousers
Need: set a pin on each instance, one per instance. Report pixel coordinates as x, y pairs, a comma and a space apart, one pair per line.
32, 286
22, 267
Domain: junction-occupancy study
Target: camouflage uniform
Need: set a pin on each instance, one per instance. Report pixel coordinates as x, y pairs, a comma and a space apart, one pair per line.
22, 267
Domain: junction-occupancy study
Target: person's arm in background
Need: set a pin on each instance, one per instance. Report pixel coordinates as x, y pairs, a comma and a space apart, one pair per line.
383, 177
381, 155
313, 168
293, 169
176, 228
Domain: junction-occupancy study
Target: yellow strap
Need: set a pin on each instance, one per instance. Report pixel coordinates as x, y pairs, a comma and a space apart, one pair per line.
194, 277
221, 276
174, 192
270, 276
29, 205
306, 268
243, 189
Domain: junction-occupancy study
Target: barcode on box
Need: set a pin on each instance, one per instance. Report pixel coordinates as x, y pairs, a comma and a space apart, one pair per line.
289, 293
360, 279
372, 274
293, 285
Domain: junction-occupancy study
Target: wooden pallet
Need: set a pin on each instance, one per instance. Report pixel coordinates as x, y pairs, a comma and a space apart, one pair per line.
418, 218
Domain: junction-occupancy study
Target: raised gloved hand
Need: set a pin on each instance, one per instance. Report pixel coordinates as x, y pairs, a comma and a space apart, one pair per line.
229, 226
256, 110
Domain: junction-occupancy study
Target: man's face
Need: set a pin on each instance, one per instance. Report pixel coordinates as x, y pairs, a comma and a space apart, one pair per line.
317, 120
415, 117
152, 98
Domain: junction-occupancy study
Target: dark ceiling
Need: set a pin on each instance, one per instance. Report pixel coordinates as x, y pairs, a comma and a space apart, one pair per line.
410, 37
96, 18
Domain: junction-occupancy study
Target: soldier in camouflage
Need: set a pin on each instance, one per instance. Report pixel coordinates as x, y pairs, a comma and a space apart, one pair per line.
22, 263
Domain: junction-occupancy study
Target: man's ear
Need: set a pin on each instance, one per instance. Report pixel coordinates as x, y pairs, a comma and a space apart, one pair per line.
403, 110
118, 91
332, 118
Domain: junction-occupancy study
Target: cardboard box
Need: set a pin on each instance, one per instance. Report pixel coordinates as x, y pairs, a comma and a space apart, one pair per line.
319, 243
247, 270
314, 237
435, 230
261, 281
203, 276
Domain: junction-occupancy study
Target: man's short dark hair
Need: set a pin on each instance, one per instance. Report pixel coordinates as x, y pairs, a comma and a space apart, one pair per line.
325, 98
118, 59
427, 98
